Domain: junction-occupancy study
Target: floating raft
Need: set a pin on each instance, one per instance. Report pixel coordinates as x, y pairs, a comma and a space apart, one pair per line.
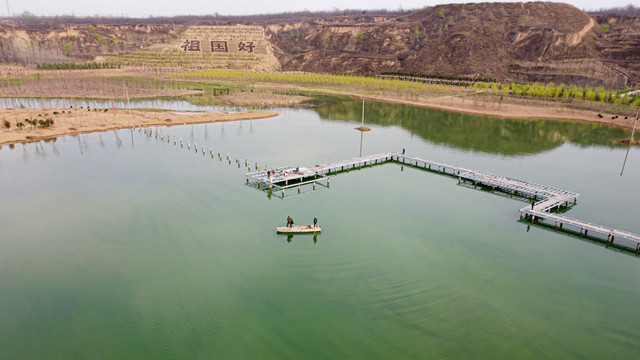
301, 229
547, 199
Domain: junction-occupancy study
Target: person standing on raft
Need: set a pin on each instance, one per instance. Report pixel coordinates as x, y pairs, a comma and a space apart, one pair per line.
289, 221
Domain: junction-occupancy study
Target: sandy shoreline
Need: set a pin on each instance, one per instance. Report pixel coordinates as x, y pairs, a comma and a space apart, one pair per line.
79, 121
466, 104
515, 111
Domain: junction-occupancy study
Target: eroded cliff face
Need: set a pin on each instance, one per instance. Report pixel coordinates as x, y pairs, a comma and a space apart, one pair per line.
526, 42
508, 41
44, 41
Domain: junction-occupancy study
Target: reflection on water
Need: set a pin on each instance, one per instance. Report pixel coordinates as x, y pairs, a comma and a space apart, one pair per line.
163, 253
625, 160
167, 104
461, 131
476, 133
302, 237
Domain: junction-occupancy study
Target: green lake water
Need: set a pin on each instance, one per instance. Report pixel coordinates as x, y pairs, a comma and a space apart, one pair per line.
118, 245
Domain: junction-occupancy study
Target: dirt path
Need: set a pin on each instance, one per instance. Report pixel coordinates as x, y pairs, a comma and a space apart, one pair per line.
576, 38
77, 121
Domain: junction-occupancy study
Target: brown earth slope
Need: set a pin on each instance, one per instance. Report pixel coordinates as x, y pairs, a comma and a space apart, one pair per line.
526, 42
509, 41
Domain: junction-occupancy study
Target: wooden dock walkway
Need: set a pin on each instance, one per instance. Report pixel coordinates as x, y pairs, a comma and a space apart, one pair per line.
545, 199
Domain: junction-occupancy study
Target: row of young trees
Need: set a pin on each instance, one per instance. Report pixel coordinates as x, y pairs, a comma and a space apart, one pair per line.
442, 77
563, 91
75, 65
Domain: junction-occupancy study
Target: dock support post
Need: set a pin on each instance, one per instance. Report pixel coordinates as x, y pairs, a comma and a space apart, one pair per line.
533, 218
556, 227
247, 179
637, 248
521, 215
459, 179
283, 192
314, 185
298, 188
328, 180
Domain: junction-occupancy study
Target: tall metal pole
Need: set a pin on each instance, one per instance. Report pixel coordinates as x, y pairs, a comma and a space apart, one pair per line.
363, 112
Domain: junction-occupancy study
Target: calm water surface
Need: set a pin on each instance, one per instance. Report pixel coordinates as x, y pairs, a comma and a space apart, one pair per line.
119, 245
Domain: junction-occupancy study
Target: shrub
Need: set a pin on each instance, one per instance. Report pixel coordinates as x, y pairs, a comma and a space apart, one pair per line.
604, 28
6, 123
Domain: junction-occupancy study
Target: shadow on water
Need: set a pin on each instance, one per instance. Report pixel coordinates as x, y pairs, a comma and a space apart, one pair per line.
301, 237
475, 133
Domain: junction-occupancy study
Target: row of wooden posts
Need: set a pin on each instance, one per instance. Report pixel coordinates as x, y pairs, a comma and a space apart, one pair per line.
148, 132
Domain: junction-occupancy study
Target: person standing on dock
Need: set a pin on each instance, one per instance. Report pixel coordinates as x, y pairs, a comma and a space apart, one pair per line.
533, 203
315, 221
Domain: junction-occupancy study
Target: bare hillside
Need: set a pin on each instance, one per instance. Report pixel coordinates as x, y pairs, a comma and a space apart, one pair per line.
527, 42
509, 41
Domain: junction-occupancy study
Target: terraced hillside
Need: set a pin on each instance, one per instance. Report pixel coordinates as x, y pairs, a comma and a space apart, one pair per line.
511, 42
508, 41
619, 45
207, 47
